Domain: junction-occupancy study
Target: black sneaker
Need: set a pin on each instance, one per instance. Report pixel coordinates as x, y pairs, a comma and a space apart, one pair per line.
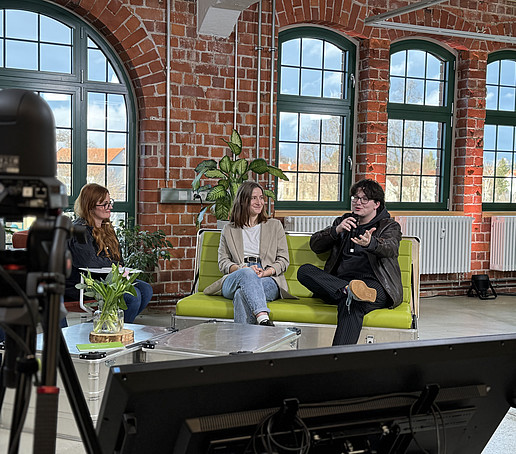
267, 322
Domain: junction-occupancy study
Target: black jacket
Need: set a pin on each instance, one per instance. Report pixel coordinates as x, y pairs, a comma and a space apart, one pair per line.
84, 255
382, 251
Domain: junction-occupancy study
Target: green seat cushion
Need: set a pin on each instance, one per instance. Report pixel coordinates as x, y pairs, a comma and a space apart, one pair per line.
303, 310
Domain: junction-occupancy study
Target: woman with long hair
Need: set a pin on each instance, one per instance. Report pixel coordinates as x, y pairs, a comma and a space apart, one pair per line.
253, 255
102, 249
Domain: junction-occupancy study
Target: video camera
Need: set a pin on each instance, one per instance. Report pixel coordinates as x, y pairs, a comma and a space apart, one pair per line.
32, 281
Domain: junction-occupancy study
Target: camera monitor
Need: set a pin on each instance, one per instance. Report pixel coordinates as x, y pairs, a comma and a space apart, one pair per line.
427, 396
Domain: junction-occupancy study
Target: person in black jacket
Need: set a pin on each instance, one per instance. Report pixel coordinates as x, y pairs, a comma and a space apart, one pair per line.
362, 272
102, 249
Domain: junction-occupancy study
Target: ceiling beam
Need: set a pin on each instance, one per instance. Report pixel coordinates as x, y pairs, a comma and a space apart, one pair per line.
446, 32
403, 10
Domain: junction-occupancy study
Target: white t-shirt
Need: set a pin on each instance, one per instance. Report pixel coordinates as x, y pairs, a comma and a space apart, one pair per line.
251, 237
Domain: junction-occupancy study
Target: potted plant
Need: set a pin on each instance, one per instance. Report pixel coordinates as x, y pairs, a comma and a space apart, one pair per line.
141, 249
109, 293
231, 173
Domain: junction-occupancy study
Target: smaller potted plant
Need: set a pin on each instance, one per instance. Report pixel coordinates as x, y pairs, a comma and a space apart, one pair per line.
109, 293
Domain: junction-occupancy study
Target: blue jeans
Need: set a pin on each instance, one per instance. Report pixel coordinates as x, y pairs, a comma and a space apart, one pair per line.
249, 293
136, 304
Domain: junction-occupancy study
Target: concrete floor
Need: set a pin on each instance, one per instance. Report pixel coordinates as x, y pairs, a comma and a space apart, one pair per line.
440, 317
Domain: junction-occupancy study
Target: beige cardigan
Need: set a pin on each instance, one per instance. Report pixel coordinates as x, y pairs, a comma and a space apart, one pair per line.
273, 253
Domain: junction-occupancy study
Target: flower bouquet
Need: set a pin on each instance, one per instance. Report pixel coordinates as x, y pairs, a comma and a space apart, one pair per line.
109, 293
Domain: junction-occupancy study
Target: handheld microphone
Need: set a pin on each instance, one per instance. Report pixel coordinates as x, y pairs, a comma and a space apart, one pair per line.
352, 234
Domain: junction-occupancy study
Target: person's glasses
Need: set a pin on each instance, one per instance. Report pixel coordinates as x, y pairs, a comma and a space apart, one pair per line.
107, 205
355, 199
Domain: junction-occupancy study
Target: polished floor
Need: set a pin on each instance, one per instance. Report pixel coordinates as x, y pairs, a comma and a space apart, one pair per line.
440, 317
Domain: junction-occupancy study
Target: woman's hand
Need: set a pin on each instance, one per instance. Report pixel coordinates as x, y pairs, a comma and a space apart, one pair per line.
260, 272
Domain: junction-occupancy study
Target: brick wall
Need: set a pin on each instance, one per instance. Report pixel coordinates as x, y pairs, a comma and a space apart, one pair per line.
202, 101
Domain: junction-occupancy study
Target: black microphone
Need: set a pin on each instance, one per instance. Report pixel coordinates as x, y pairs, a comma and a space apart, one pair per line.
353, 233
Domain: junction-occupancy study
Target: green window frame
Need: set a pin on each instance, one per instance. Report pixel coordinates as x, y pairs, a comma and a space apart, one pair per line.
499, 158
314, 133
419, 135
76, 71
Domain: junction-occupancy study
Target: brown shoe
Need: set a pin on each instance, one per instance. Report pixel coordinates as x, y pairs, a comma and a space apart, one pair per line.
361, 292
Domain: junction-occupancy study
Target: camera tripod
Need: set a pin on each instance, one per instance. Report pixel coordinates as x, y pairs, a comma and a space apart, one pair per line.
41, 269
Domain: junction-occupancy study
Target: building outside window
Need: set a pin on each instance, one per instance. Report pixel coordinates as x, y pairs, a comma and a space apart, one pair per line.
315, 118
419, 135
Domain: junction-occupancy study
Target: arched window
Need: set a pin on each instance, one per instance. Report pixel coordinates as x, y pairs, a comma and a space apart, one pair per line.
499, 169
315, 116
50, 51
420, 126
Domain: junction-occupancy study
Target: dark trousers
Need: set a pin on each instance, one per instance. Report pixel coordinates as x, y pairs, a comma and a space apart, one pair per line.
330, 289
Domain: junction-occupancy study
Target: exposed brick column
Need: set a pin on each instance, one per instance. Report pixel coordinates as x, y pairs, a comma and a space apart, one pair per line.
373, 94
469, 146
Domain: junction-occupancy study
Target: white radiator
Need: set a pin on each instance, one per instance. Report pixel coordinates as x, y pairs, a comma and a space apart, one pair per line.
445, 242
308, 224
503, 243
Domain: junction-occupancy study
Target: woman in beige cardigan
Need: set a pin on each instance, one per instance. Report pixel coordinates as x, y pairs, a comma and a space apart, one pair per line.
253, 255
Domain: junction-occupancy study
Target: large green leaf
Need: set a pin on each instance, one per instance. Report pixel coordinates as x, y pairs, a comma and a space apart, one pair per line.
277, 172
240, 166
259, 166
196, 183
215, 174
222, 209
235, 149
209, 164
225, 164
235, 138
218, 192
234, 188
270, 194
224, 183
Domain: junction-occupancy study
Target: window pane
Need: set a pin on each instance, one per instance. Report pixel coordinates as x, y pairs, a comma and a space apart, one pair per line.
309, 157
493, 72
96, 174
433, 134
287, 189
434, 93
435, 68
64, 175
393, 189
288, 156
505, 138
96, 110
96, 66
487, 190
116, 148
331, 129
117, 182
311, 53
56, 58
506, 99
330, 158
395, 133
415, 91
308, 189
64, 145
397, 90
489, 137
333, 84
334, 58
502, 193
96, 148
111, 76
21, 24
288, 126
416, 63
21, 55
290, 81
429, 189
53, 31
507, 73
413, 133
116, 113
394, 157
329, 189
492, 98
61, 105
503, 164
311, 82
488, 164
411, 188
290, 52
310, 128
430, 162
397, 66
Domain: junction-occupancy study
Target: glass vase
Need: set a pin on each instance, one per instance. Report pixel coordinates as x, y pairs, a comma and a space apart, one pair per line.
108, 322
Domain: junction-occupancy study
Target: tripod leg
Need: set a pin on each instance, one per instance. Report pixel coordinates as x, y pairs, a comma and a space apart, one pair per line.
77, 401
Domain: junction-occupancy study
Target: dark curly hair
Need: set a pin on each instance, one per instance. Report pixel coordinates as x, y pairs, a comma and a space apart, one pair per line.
372, 190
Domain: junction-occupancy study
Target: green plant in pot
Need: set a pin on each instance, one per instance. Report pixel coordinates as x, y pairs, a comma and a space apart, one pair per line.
231, 173
141, 249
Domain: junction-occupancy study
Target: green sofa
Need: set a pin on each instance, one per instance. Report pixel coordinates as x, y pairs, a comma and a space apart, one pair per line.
316, 319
